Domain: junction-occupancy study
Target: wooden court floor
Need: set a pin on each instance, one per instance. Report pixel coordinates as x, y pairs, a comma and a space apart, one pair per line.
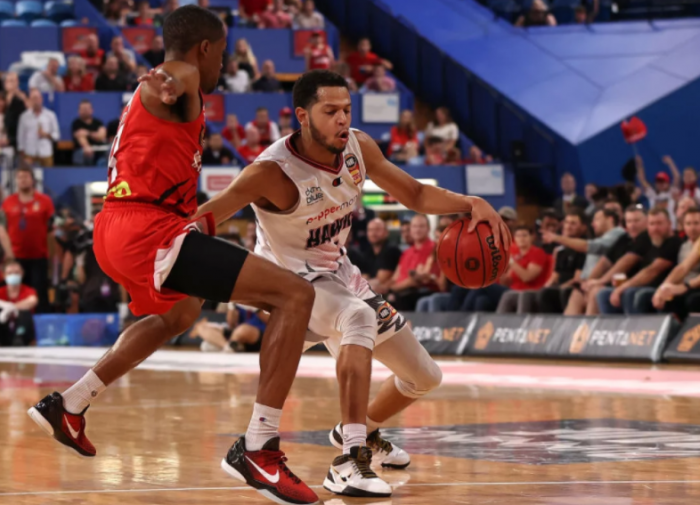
160, 437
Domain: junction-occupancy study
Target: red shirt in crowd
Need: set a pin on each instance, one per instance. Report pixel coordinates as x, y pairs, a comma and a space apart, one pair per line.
28, 225
399, 138
319, 59
86, 83
139, 21
357, 60
415, 256
24, 293
251, 7
93, 63
533, 255
249, 154
226, 133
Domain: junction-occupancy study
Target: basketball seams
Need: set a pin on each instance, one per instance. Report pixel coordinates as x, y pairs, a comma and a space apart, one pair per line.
458, 264
483, 259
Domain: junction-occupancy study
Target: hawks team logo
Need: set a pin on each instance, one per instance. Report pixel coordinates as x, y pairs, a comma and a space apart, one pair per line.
354, 168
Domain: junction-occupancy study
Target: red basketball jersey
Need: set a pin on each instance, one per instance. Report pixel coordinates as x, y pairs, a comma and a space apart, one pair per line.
156, 161
318, 58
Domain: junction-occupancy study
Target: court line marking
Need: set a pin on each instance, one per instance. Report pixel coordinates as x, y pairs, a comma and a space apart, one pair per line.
428, 484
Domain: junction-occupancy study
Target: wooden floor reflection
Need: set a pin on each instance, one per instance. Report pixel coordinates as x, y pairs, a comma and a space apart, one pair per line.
160, 436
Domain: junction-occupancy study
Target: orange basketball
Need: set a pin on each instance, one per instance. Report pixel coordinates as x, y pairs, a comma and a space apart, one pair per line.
471, 260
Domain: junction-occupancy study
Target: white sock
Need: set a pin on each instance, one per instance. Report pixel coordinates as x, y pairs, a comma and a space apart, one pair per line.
264, 425
372, 425
353, 435
80, 394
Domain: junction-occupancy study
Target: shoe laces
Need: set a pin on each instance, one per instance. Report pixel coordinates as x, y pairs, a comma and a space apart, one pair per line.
278, 458
363, 462
377, 442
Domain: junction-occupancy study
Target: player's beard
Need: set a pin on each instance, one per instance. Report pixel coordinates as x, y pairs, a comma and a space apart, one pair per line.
320, 139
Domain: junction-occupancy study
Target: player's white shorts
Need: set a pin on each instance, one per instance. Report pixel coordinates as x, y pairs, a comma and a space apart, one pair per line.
335, 293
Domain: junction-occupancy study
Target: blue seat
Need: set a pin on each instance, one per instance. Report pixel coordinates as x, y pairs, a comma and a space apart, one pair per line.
13, 22
58, 11
29, 10
42, 22
69, 22
7, 10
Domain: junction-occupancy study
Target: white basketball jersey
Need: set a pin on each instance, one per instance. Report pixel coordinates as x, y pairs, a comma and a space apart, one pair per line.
311, 236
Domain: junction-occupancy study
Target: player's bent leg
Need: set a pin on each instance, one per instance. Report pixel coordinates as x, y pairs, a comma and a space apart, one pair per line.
63, 416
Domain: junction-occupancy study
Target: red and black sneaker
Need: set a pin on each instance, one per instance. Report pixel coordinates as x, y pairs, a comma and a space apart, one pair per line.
265, 470
68, 429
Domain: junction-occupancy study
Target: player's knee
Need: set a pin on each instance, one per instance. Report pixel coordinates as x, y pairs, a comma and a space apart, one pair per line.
183, 318
301, 294
421, 381
359, 326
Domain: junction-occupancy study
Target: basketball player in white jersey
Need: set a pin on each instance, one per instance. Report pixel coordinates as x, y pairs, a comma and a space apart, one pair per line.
306, 186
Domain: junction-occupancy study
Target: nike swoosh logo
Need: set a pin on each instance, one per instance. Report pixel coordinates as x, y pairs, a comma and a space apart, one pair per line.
274, 479
73, 433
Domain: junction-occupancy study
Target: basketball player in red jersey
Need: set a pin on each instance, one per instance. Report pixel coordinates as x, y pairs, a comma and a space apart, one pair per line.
146, 238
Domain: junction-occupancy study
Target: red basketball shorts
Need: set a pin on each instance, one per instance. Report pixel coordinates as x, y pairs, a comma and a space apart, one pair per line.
137, 244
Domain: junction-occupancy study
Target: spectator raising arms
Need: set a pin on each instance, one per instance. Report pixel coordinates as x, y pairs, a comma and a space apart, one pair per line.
663, 192
538, 15
16, 104
267, 83
243, 54
690, 180
48, 80
379, 82
318, 54
443, 128
77, 77
308, 18
275, 16
404, 144
156, 54
252, 148
233, 131
268, 130
216, 154
363, 61
29, 214
37, 131
88, 132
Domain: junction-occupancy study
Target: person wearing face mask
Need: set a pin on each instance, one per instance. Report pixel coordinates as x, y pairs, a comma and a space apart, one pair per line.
17, 303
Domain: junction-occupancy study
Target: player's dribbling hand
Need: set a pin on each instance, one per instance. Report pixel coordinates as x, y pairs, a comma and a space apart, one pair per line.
483, 212
161, 83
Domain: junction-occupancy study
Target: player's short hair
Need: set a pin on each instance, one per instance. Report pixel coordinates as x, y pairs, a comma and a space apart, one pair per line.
305, 92
659, 210
188, 26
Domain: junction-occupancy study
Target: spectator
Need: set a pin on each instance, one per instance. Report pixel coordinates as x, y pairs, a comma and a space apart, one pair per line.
379, 82
92, 54
267, 83
17, 304
285, 119
343, 69
233, 131
237, 80
580, 15
286, 131
680, 291
250, 10
538, 15
113, 128
16, 104
655, 252
252, 148
406, 238
417, 271
268, 130
145, 15
690, 180
568, 262
7, 152
37, 131
477, 156
115, 13
216, 154
125, 57
111, 78
403, 144
141, 70
156, 54
509, 216
77, 77
275, 16
363, 61
569, 199
614, 206
318, 55
590, 191
550, 222
440, 301
379, 259
88, 133
663, 193
48, 80
434, 151
243, 54
684, 205
529, 269
443, 128
168, 7
98, 293
308, 18
28, 214
242, 332
251, 235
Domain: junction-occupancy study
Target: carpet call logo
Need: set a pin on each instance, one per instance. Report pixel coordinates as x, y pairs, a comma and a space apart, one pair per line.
690, 338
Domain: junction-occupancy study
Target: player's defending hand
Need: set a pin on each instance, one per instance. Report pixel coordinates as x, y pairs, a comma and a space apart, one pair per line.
162, 84
483, 212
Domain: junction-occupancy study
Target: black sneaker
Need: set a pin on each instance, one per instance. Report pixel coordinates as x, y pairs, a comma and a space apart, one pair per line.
351, 475
265, 471
66, 428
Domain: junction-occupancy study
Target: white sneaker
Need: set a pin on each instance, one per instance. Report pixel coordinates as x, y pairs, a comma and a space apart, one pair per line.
209, 347
351, 475
383, 451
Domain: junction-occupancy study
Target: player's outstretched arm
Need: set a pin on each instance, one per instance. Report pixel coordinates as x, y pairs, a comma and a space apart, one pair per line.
427, 199
262, 183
